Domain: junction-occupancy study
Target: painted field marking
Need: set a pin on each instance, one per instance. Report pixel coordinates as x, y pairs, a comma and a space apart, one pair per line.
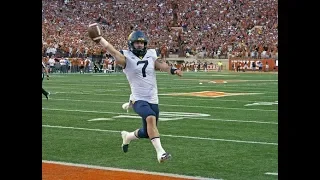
224, 88
168, 116
100, 119
162, 96
103, 75
219, 107
239, 121
138, 117
167, 135
271, 173
262, 104
128, 170
105, 112
171, 119
238, 80
177, 105
127, 88
97, 84
224, 75
211, 94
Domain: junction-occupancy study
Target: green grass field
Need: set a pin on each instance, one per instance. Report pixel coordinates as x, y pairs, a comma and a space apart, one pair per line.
234, 137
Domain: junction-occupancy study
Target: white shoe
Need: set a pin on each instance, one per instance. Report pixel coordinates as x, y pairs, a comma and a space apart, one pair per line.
125, 144
163, 157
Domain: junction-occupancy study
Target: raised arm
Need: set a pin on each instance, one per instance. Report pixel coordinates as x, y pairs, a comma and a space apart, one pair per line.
159, 64
95, 34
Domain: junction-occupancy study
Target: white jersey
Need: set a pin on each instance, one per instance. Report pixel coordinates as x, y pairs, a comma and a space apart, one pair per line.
141, 75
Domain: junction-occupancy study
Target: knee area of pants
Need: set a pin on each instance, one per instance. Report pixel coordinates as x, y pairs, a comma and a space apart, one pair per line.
143, 133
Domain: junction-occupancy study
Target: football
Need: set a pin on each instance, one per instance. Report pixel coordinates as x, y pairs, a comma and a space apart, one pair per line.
94, 32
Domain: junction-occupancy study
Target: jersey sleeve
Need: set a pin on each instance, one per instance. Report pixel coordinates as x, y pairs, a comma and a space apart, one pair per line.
158, 53
154, 54
121, 51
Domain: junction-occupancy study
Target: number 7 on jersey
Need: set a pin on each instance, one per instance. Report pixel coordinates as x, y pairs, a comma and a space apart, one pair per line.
144, 67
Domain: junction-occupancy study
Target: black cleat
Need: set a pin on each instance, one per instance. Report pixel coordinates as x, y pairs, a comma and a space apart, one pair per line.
47, 96
125, 144
125, 147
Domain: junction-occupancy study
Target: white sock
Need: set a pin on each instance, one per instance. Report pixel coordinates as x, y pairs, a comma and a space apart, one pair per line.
157, 145
131, 136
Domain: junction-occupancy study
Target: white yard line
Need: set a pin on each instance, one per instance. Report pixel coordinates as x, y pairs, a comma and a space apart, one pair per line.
167, 135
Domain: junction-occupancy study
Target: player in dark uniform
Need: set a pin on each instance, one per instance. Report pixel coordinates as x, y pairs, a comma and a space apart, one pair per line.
45, 70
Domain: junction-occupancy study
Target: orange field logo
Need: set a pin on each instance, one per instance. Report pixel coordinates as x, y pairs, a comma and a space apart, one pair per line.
211, 94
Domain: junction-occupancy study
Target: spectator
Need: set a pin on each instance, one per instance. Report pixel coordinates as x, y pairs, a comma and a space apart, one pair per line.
219, 26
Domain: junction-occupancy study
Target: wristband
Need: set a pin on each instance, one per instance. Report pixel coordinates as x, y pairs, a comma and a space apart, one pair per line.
173, 70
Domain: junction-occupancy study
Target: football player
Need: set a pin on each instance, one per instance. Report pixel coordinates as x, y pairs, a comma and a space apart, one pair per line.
45, 70
139, 65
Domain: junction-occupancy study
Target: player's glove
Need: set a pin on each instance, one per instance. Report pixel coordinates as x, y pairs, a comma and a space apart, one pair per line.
95, 32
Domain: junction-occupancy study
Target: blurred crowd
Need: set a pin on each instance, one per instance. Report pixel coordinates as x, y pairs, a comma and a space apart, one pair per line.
213, 27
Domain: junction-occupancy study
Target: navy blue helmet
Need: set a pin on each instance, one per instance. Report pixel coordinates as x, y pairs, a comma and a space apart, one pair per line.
137, 36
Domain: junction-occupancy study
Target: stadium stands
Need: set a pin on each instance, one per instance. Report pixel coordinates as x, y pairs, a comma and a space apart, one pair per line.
214, 28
